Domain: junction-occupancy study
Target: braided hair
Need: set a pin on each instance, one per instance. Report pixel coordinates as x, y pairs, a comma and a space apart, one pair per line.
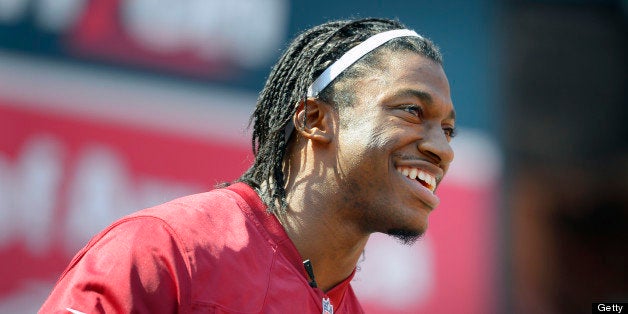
304, 60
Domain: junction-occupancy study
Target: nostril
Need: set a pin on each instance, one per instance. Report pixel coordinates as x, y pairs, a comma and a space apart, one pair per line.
436, 147
435, 157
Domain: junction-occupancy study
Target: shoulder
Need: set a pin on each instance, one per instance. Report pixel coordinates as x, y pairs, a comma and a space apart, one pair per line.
177, 228
135, 262
199, 206
189, 215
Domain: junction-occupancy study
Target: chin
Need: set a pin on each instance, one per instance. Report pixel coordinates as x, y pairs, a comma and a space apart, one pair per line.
406, 236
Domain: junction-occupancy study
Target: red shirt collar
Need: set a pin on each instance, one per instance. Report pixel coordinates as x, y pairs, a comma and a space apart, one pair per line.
280, 238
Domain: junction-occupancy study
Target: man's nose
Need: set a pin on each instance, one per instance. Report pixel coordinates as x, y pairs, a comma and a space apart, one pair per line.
436, 146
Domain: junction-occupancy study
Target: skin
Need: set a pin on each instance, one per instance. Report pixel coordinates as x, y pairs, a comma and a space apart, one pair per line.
342, 183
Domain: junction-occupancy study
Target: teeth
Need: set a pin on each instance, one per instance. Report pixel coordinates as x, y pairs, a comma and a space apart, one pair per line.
414, 173
427, 178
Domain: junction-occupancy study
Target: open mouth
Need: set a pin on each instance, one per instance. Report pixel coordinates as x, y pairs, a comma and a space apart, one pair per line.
427, 180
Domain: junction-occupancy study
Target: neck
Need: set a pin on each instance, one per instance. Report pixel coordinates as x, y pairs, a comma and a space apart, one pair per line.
320, 234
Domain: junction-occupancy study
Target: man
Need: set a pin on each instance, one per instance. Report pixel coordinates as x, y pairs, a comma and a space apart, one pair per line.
351, 136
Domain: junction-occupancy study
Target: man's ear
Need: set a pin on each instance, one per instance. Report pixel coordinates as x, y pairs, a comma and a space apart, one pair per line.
314, 120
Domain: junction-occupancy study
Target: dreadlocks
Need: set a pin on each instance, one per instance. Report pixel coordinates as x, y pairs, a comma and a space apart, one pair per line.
307, 57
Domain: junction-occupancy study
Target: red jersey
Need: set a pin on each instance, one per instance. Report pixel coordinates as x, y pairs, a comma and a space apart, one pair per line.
215, 252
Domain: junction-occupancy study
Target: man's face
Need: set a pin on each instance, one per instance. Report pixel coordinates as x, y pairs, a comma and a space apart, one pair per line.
393, 145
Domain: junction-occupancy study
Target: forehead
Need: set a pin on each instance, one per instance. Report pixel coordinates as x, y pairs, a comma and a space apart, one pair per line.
404, 71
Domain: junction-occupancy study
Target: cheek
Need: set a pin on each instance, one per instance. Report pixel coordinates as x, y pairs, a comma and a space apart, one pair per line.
387, 138
380, 138
365, 144
369, 156
371, 132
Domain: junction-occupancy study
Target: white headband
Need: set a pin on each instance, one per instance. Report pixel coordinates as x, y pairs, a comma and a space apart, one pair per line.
353, 55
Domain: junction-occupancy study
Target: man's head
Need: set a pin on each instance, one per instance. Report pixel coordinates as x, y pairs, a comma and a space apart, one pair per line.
398, 63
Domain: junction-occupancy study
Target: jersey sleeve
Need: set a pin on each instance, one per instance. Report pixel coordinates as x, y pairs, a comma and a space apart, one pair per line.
137, 265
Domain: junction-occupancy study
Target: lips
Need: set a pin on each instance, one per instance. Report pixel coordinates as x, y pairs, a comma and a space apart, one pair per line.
423, 184
426, 179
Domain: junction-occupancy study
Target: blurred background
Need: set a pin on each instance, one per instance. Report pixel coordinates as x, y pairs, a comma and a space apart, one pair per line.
110, 106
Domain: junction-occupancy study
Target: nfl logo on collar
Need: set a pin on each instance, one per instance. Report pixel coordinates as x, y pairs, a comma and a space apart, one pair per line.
327, 307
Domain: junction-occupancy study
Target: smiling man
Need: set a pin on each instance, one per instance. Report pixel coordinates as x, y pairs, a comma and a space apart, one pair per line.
351, 137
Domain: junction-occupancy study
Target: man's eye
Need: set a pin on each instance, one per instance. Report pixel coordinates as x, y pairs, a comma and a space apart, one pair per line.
450, 132
413, 109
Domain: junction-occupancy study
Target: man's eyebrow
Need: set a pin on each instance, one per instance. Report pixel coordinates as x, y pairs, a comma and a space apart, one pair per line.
425, 97
422, 95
